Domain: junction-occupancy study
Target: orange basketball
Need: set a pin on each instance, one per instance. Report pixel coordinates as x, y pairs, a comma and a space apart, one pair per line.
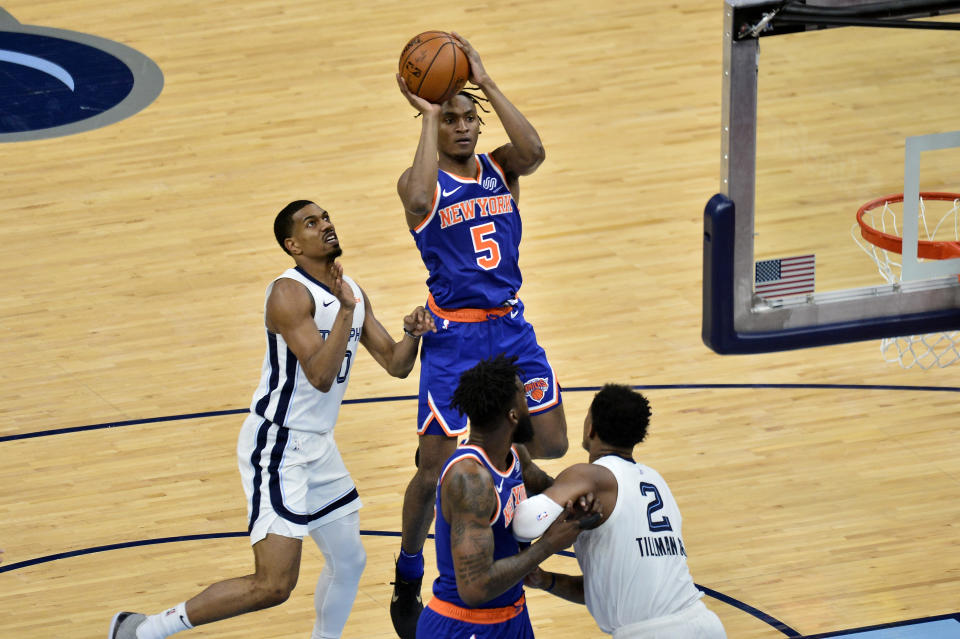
433, 66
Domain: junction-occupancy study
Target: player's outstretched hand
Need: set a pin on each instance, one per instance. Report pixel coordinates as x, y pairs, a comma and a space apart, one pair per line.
420, 321
587, 510
340, 288
478, 75
415, 100
564, 530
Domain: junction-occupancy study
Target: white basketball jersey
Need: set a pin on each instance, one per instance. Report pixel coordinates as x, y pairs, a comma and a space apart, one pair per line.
285, 395
634, 564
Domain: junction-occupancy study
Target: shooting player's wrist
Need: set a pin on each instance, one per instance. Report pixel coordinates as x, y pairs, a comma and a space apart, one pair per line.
410, 333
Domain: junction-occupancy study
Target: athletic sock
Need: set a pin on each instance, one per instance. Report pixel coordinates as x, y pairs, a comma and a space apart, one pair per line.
410, 566
166, 623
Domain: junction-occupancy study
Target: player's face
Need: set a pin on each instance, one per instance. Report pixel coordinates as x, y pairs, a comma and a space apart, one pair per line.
524, 431
314, 235
459, 127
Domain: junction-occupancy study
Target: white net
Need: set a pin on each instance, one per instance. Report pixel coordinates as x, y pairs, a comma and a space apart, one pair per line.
932, 349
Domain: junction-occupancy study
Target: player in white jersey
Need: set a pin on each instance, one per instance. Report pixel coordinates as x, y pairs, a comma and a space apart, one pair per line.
635, 580
295, 481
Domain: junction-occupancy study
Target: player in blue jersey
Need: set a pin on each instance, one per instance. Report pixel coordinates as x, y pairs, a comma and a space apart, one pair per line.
295, 480
479, 591
462, 210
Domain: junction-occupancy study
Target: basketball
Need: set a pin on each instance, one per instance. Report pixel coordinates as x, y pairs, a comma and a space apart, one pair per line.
433, 66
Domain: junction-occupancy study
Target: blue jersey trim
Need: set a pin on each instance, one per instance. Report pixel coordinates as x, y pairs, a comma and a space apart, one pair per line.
262, 431
261, 406
312, 279
276, 494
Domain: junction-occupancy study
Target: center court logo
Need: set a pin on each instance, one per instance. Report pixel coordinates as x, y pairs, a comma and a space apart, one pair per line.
55, 82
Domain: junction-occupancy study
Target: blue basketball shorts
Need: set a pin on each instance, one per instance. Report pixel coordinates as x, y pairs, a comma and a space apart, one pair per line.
460, 345
511, 625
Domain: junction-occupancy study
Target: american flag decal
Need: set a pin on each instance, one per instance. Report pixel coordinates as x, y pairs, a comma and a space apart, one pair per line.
785, 276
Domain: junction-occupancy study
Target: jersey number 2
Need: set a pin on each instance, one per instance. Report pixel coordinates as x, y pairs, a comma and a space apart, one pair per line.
653, 507
487, 246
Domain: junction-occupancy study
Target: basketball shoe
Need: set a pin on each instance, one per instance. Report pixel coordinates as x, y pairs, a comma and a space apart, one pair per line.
405, 606
124, 625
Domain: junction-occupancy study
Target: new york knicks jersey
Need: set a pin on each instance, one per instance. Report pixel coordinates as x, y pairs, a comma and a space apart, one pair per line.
510, 492
470, 240
634, 564
285, 395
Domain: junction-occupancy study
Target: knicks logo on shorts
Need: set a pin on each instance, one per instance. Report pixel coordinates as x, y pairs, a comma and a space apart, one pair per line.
536, 388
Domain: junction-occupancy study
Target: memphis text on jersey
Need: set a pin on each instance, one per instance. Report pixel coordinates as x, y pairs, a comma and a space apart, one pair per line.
468, 209
661, 546
355, 334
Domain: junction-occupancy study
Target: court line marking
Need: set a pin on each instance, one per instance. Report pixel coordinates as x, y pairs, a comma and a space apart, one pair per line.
758, 614
573, 389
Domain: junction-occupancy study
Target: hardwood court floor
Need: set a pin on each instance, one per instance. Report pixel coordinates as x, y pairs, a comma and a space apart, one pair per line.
818, 487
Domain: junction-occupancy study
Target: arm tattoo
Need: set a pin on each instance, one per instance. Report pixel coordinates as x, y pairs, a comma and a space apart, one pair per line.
472, 502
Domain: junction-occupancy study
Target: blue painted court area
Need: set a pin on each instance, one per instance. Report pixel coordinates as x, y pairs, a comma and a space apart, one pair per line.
948, 628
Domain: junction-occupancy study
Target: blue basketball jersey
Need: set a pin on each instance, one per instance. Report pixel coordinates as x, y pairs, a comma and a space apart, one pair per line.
510, 492
470, 240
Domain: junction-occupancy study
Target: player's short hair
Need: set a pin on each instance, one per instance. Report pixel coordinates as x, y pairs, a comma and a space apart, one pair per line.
620, 415
283, 224
487, 391
471, 94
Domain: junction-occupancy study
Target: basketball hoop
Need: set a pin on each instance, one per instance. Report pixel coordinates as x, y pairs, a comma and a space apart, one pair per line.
879, 224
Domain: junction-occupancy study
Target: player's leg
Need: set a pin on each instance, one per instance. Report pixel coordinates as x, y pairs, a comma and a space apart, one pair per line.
550, 434
344, 561
277, 564
421, 493
418, 505
541, 386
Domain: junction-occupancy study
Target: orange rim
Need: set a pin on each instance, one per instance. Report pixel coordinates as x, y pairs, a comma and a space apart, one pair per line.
926, 249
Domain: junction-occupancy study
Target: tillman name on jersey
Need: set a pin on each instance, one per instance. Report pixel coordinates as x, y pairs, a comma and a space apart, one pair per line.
661, 546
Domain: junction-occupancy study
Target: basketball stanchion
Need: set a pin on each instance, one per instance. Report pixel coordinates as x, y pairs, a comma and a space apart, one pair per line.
878, 232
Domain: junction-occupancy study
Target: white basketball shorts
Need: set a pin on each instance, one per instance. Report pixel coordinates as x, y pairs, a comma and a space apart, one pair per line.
294, 480
693, 622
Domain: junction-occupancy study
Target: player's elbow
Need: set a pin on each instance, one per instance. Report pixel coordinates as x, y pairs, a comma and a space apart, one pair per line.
533, 158
419, 209
400, 372
321, 382
418, 203
539, 155
403, 372
472, 597
400, 368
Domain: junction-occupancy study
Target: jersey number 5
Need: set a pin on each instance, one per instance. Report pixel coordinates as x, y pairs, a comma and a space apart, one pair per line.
486, 247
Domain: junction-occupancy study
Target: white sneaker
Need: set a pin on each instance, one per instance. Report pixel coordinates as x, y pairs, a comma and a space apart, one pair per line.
124, 625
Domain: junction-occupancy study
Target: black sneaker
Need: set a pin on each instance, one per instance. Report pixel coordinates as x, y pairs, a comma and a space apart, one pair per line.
405, 606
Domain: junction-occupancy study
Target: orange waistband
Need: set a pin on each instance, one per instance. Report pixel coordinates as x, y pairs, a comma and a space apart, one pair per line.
477, 615
467, 314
